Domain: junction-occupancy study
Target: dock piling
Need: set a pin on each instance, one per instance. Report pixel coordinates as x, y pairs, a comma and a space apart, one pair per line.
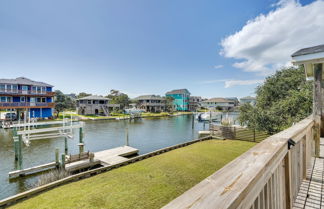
66, 146
57, 160
81, 144
20, 152
16, 141
127, 137
193, 121
63, 161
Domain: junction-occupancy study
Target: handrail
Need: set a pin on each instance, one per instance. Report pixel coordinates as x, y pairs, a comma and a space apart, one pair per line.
26, 92
26, 104
268, 174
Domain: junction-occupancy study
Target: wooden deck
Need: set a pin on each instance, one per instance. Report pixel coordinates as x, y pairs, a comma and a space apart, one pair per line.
105, 158
311, 191
115, 155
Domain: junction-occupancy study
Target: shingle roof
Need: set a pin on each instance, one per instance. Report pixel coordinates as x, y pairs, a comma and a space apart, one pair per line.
149, 97
248, 97
94, 97
218, 100
178, 91
310, 50
24, 81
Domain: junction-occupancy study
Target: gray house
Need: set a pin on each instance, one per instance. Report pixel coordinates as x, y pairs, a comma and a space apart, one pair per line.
93, 105
151, 103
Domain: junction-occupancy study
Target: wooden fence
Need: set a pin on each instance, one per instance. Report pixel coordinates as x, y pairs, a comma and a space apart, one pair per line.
267, 176
237, 133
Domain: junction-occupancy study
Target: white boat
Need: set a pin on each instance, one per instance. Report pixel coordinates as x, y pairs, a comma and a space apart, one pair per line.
207, 115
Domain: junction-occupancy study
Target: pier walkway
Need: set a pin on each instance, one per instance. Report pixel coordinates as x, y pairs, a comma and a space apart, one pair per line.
105, 158
115, 155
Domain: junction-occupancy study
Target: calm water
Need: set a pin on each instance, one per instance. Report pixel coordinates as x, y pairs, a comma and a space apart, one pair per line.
145, 134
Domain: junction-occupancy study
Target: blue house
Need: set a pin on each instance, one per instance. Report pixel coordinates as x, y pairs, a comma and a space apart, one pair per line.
22, 94
181, 99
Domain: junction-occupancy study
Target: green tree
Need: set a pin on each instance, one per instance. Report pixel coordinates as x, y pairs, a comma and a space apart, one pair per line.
63, 102
83, 94
169, 104
284, 98
118, 98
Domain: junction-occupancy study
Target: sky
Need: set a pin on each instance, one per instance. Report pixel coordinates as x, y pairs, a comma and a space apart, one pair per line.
214, 48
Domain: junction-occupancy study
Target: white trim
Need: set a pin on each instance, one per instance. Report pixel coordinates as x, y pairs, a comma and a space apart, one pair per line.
313, 58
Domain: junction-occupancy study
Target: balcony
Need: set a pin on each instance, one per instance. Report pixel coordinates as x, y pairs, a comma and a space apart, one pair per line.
152, 104
23, 92
14, 105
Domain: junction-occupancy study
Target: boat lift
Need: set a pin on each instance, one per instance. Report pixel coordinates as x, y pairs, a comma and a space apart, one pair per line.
29, 131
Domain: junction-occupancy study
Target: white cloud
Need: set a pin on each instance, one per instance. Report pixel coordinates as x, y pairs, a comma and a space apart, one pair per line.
266, 43
230, 83
218, 66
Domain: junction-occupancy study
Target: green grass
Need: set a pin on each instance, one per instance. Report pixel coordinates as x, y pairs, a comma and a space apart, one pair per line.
150, 183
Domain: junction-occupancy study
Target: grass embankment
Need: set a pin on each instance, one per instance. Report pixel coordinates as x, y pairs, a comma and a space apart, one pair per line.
150, 183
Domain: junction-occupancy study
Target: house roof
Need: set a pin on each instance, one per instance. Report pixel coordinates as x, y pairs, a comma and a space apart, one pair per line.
232, 98
309, 50
24, 81
149, 97
178, 91
93, 97
222, 100
248, 97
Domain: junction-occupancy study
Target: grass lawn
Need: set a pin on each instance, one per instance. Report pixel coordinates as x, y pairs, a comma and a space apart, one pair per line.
150, 183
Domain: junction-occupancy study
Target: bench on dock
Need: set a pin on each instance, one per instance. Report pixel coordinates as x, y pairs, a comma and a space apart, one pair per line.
78, 157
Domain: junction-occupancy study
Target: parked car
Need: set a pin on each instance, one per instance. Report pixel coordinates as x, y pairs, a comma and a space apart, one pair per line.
10, 116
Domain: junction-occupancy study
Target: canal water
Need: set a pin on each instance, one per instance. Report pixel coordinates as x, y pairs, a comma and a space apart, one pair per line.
147, 135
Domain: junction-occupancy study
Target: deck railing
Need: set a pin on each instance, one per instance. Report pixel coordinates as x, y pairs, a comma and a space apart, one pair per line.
26, 92
237, 133
26, 104
266, 176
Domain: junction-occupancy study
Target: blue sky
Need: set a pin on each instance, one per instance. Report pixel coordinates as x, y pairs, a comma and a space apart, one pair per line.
143, 46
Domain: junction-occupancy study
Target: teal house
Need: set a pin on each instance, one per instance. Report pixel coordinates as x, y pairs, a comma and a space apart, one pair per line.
181, 99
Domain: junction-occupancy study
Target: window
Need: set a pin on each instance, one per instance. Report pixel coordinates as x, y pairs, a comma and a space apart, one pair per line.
22, 99
2, 87
38, 99
43, 90
9, 87
3, 99
34, 89
43, 99
89, 101
15, 88
39, 89
24, 88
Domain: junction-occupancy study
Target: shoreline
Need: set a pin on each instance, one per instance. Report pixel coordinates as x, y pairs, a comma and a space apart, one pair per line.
127, 117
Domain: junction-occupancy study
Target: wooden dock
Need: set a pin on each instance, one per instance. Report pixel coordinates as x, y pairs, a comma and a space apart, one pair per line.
32, 170
115, 155
104, 158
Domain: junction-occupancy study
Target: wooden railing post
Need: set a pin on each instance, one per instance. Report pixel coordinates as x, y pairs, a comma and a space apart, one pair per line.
288, 180
317, 105
234, 132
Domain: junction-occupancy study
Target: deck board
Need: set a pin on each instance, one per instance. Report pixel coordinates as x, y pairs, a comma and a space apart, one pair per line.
116, 155
311, 191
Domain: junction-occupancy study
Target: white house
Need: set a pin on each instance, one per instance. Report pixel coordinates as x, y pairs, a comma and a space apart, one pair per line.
215, 103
